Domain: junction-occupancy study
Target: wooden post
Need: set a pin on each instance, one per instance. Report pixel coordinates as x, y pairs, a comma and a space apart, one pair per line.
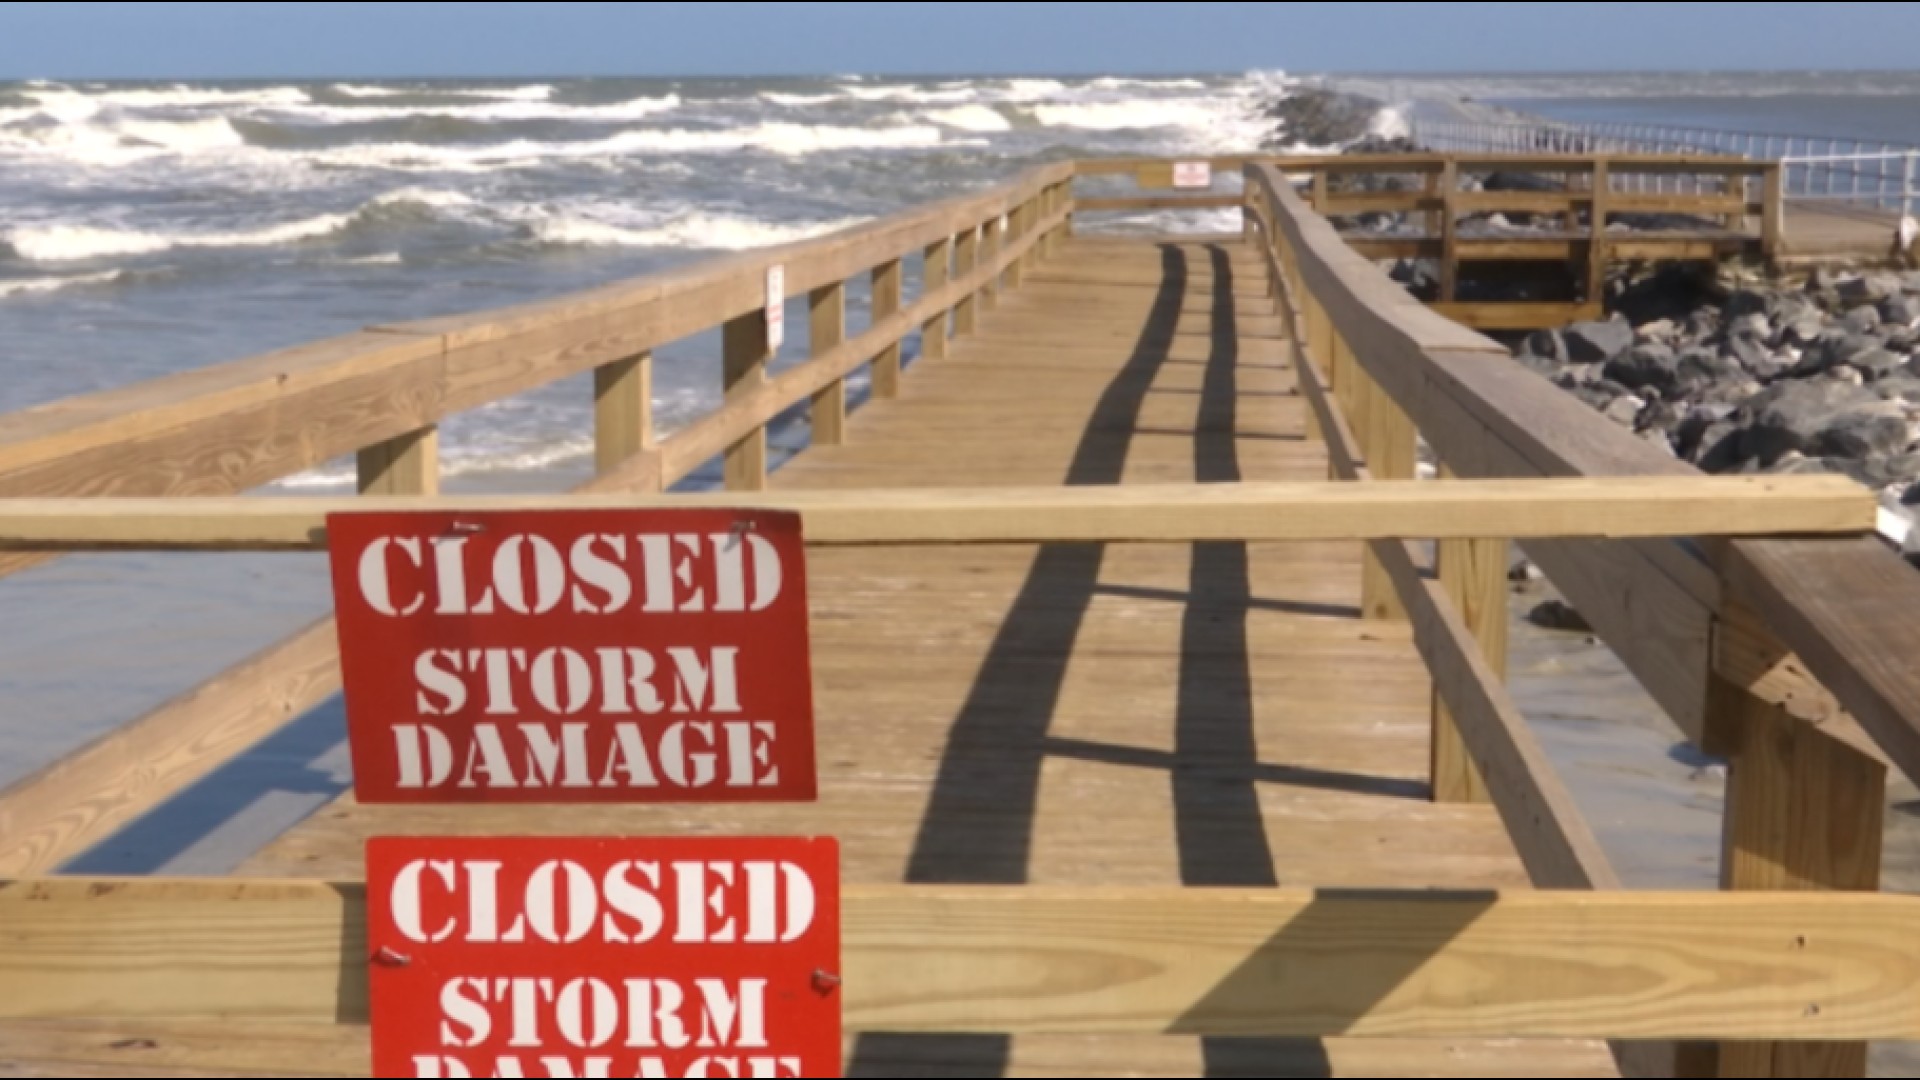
966, 319
1598, 252
1773, 226
1067, 204
1450, 231
886, 304
1805, 813
1016, 231
990, 251
827, 322
1322, 191
939, 272
1392, 454
1474, 573
746, 352
1436, 190
407, 465
622, 411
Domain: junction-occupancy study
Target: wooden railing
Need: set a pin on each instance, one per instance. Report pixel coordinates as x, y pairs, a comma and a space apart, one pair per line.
1795, 659
381, 393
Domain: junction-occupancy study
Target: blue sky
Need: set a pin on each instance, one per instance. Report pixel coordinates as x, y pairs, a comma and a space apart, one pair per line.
284, 40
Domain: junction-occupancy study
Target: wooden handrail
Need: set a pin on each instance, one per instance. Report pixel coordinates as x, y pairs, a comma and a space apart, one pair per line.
1657, 604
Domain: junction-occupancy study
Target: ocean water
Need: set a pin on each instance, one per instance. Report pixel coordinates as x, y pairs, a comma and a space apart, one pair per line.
152, 228
1867, 106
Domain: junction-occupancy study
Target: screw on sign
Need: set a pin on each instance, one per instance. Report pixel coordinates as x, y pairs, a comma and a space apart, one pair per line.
575, 656
604, 958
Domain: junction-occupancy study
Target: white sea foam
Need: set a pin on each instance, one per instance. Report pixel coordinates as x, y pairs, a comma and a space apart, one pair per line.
1147, 84
1029, 90
188, 97
912, 95
541, 92
590, 227
977, 118
1139, 115
798, 100
786, 139
31, 286
498, 111
184, 137
55, 243
352, 91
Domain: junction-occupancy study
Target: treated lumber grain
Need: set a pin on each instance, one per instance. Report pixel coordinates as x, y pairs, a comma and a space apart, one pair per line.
622, 411
1240, 963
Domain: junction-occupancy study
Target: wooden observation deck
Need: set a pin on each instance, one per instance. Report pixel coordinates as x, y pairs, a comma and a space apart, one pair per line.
1157, 742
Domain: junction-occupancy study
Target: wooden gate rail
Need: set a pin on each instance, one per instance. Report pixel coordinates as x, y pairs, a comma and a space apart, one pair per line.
1025, 961
380, 394
1142, 513
1711, 629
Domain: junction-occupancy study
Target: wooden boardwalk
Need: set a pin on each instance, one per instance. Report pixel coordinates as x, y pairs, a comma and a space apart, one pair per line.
1141, 715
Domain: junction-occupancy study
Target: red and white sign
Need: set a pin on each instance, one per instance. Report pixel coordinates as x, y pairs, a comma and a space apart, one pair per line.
575, 656
776, 308
604, 958
1193, 174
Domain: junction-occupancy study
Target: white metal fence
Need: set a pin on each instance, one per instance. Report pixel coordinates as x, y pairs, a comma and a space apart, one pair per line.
1871, 175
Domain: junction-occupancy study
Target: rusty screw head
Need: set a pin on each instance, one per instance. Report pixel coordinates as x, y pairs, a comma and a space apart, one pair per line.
387, 958
826, 983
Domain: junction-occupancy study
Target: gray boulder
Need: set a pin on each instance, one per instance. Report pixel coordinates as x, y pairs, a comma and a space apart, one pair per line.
1801, 332
1791, 417
1900, 310
1555, 615
1862, 320
1834, 349
1912, 497
1704, 367
1647, 367
1750, 354
1547, 344
1868, 289
1625, 411
1901, 386
1877, 364
1872, 431
1749, 302
1599, 342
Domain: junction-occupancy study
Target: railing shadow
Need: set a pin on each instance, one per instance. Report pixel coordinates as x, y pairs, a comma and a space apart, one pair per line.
980, 820
997, 748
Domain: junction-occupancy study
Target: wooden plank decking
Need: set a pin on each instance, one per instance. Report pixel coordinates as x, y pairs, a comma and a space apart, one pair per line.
1072, 715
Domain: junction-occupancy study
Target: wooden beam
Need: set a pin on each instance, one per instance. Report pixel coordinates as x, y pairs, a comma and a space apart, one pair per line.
1392, 455
990, 245
407, 465
746, 354
827, 325
622, 411
887, 283
1599, 258
966, 316
1159, 202
1773, 216
1474, 575
938, 272
1450, 231
1232, 963
1466, 509
1517, 315
1804, 814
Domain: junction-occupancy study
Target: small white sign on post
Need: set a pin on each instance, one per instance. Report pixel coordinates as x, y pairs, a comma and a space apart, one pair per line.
776, 308
1193, 174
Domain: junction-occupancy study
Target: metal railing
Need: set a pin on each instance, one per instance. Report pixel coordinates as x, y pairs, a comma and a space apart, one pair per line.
1881, 176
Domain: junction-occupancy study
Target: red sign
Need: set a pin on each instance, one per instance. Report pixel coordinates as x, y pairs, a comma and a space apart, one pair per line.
575, 656
1193, 174
604, 958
